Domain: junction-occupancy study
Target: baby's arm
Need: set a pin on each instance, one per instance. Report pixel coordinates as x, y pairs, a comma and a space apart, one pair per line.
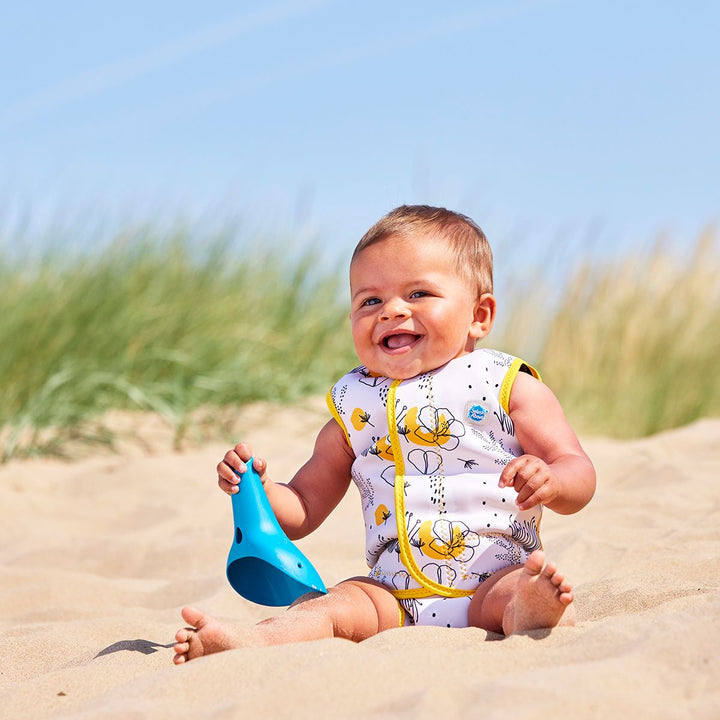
318, 486
554, 471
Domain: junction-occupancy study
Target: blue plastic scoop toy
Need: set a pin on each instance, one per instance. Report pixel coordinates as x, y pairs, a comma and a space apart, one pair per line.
263, 565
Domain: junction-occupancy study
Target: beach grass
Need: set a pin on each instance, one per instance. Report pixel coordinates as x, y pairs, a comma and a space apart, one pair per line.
159, 324
164, 323
631, 344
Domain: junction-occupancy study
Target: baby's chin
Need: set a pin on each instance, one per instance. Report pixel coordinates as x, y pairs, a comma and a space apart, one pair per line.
395, 373
398, 371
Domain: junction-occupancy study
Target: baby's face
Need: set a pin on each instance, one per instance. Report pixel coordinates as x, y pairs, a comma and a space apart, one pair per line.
411, 311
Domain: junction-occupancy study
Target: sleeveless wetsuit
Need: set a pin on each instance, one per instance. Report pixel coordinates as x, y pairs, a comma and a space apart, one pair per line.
428, 455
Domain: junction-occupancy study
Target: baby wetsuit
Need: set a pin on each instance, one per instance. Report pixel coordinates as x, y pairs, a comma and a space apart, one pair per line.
428, 455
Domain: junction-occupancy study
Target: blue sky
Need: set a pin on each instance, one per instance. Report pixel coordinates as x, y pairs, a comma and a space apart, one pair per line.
539, 119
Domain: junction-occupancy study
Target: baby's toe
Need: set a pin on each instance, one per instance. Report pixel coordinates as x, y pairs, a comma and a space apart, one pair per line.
183, 635
180, 658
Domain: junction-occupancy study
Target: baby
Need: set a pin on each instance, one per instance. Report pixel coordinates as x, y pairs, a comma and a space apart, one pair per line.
455, 452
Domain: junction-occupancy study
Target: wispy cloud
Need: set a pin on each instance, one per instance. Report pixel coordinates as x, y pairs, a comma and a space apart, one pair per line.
404, 39
113, 74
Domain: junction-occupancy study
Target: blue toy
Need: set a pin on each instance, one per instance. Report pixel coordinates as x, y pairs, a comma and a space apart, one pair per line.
264, 566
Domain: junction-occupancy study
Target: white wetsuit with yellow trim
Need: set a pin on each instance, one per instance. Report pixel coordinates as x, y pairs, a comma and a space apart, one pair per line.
428, 455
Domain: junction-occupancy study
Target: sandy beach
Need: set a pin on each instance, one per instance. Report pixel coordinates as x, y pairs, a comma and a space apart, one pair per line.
98, 555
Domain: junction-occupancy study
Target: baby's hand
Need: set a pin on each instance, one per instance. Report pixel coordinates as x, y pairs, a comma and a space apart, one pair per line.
532, 479
235, 460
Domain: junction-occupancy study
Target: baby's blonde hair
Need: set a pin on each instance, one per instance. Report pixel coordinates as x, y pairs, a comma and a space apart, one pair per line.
473, 256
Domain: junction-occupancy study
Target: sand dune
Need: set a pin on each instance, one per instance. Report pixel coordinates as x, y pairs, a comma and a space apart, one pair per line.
98, 555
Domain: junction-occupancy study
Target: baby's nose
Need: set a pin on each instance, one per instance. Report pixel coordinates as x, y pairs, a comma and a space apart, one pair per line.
393, 309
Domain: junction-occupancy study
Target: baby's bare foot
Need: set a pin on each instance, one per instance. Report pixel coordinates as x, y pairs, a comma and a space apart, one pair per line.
542, 599
205, 636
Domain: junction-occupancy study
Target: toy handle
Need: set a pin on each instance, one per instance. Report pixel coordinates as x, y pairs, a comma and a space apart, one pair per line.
251, 506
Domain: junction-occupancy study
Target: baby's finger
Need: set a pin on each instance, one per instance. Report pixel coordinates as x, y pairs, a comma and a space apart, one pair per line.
527, 498
227, 479
259, 465
507, 476
226, 471
236, 462
516, 473
539, 492
227, 487
243, 451
530, 501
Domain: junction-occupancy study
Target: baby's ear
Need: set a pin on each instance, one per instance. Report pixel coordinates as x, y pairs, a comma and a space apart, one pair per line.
483, 316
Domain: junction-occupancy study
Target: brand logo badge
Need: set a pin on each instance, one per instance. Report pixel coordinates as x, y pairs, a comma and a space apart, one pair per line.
476, 413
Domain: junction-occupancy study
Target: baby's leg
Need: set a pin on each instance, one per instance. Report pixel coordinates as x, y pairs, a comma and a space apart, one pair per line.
354, 609
527, 597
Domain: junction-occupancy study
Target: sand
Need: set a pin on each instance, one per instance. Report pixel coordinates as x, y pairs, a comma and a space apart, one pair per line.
98, 555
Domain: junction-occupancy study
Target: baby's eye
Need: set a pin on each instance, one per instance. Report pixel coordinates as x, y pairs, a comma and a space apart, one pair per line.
419, 294
370, 301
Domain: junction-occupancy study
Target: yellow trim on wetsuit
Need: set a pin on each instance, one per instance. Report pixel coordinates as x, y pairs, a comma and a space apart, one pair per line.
507, 383
429, 587
401, 615
336, 415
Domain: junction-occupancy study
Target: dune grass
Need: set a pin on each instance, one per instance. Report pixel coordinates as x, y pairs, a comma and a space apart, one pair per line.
632, 345
170, 325
659, 317
158, 324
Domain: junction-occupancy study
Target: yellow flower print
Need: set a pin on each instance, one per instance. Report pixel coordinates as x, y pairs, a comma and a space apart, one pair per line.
382, 515
360, 418
444, 539
433, 426
382, 449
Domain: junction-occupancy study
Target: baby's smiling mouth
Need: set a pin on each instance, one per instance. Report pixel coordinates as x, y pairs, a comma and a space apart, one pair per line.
399, 341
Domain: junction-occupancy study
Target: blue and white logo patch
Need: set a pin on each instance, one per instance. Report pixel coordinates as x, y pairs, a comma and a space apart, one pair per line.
476, 413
